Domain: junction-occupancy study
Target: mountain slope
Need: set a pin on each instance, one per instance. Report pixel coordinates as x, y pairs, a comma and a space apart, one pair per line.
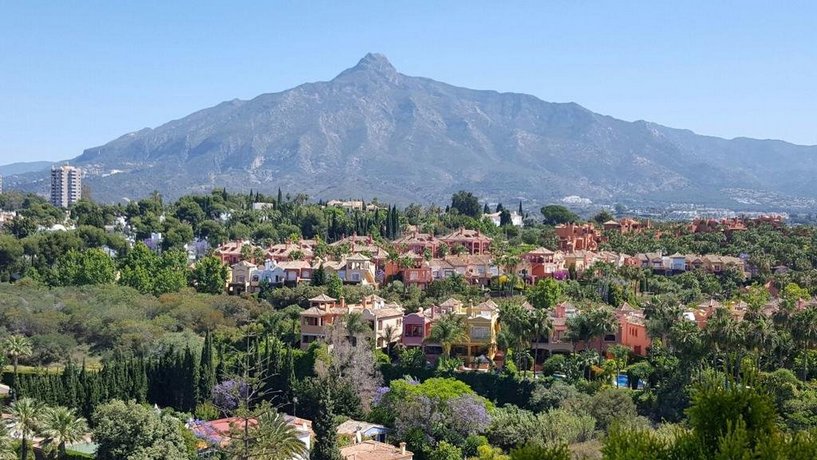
373, 132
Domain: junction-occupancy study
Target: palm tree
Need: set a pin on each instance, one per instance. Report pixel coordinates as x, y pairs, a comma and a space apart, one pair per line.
6, 449
516, 328
805, 333
25, 420
61, 426
275, 439
16, 346
541, 327
447, 331
389, 335
602, 321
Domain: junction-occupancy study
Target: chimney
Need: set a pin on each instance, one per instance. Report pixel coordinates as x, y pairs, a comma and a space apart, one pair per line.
402, 448
342, 302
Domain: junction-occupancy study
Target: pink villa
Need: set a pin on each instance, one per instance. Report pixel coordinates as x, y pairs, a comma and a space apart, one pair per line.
542, 263
417, 326
418, 242
230, 252
472, 240
633, 329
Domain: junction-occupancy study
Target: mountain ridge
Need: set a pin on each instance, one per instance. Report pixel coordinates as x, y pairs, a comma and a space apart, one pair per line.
374, 132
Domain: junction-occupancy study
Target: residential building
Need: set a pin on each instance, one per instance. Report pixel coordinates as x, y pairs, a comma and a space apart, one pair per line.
66, 185
633, 329
542, 263
358, 269
418, 243
626, 225
230, 252
473, 241
482, 330
417, 326
496, 218
296, 271
356, 431
385, 320
241, 275
300, 250
374, 450
578, 237
214, 435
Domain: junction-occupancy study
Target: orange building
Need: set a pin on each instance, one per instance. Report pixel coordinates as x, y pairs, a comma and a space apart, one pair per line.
578, 237
472, 240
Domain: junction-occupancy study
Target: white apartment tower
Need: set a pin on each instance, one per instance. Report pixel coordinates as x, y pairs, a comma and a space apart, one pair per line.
66, 185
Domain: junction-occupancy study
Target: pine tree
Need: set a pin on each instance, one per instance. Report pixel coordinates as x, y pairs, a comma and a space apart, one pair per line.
325, 428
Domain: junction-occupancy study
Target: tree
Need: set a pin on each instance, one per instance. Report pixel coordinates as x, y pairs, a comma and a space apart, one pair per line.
91, 266
334, 286
446, 451
17, 346
466, 203
6, 448
545, 294
555, 214
209, 275
61, 426
325, 428
541, 326
602, 216
131, 431
319, 276
505, 218
448, 330
805, 333
516, 329
25, 420
273, 438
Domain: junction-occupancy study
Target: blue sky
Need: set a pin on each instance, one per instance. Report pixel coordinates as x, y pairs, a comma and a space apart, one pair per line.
78, 74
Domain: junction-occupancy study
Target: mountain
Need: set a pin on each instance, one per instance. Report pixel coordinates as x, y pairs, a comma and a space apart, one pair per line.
24, 167
374, 132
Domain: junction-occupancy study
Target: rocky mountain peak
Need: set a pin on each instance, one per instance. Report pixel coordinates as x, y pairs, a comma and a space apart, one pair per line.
374, 64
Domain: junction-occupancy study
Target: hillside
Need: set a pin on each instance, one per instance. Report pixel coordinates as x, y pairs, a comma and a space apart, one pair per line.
374, 132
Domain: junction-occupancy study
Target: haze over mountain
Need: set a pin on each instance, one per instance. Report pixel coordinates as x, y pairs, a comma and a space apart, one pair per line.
374, 132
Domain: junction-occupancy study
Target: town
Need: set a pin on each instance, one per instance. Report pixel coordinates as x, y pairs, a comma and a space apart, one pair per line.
441, 294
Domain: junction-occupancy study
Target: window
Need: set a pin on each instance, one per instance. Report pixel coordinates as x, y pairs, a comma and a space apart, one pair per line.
480, 332
414, 330
355, 276
308, 338
610, 338
311, 321
380, 324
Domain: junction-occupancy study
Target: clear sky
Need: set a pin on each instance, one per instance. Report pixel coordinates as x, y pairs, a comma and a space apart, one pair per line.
78, 74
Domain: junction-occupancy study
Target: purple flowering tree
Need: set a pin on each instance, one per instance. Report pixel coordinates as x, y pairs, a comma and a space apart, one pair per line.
228, 394
467, 415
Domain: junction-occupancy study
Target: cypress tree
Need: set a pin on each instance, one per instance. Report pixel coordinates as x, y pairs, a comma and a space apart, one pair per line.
190, 382
325, 428
395, 225
280, 197
521, 214
207, 372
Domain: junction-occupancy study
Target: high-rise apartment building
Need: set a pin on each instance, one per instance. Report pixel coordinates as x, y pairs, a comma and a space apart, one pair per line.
66, 185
